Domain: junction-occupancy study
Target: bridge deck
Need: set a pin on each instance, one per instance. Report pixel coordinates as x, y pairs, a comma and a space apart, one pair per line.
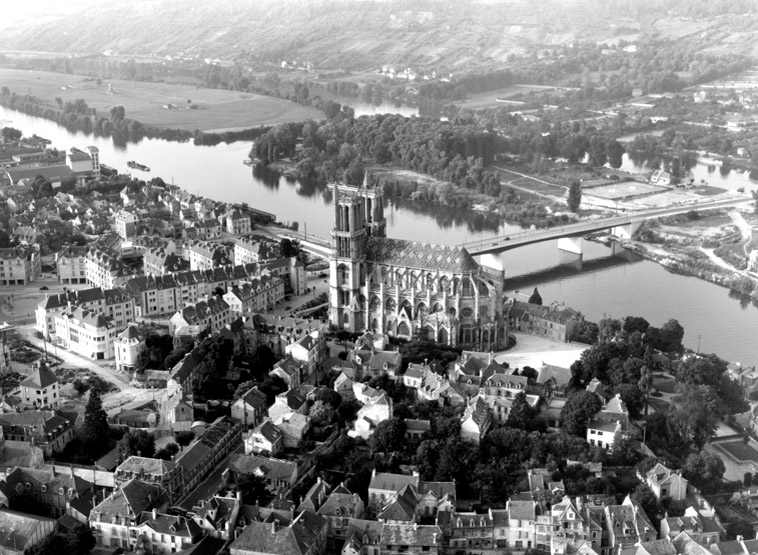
523, 238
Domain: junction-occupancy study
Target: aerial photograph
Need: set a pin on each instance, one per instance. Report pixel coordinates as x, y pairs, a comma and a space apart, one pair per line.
379, 277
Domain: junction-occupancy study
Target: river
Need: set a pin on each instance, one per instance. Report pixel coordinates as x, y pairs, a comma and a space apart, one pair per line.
605, 286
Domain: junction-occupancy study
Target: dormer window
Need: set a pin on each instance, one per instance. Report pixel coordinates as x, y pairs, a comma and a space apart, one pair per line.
43, 488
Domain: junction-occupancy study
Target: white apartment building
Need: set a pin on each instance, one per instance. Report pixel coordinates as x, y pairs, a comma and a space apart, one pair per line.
85, 332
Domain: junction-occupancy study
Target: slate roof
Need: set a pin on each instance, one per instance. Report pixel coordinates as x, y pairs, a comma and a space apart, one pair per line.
398, 252
170, 524
41, 378
267, 430
131, 500
401, 508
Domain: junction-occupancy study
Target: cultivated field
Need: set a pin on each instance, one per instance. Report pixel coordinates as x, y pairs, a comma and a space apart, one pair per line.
216, 109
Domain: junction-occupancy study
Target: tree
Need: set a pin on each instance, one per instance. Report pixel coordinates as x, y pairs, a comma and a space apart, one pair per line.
184, 438
615, 153
79, 540
696, 414
535, 298
167, 452
10, 134
253, 489
643, 495
117, 113
137, 442
574, 195
322, 414
635, 323
633, 398
328, 396
672, 334
389, 436
747, 480
529, 373
705, 470
521, 414
578, 411
95, 431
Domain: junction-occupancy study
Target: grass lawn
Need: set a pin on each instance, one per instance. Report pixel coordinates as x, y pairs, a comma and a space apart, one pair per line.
739, 450
217, 109
666, 385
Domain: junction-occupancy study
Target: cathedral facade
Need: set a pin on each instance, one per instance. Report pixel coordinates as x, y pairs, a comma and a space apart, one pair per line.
405, 288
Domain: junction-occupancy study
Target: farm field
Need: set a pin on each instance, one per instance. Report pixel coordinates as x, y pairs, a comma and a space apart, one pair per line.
217, 110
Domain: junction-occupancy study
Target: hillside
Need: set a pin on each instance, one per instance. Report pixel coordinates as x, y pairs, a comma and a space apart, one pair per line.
360, 35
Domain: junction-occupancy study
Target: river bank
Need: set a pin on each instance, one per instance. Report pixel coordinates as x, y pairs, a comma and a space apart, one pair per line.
705, 246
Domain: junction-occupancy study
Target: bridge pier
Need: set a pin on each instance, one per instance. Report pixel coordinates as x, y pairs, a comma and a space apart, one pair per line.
626, 231
570, 244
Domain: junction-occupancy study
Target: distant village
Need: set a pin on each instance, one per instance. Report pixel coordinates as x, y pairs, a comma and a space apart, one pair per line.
158, 261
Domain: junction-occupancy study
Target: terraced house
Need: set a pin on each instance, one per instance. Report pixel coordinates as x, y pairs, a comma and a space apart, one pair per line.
116, 303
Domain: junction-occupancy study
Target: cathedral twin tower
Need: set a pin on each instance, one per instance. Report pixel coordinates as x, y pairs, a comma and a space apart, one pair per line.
404, 288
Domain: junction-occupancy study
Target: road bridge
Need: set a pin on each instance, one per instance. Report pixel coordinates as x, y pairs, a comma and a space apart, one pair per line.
569, 236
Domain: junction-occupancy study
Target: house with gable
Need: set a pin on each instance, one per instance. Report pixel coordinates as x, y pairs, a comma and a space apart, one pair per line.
555, 380
705, 531
397, 539
40, 389
338, 509
305, 535
362, 537
265, 439
665, 482
377, 409
384, 486
112, 519
250, 408
401, 508
613, 419
288, 402
476, 420
627, 524
166, 474
309, 351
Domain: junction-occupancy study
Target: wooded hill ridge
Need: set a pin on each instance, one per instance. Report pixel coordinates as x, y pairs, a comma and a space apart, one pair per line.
367, 34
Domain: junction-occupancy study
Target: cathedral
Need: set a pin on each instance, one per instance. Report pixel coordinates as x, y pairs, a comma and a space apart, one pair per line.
404, 288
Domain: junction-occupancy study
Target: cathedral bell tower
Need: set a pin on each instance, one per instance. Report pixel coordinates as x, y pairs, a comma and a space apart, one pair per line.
358, 215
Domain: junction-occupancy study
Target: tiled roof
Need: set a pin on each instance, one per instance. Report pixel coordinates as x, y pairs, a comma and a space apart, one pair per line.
153, 467
274, 539
17, 529
419, 255
391, 482
271, 469
411, 535
130, 333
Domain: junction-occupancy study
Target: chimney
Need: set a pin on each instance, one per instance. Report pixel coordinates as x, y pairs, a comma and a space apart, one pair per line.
273, 526
155, 513
239, 496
